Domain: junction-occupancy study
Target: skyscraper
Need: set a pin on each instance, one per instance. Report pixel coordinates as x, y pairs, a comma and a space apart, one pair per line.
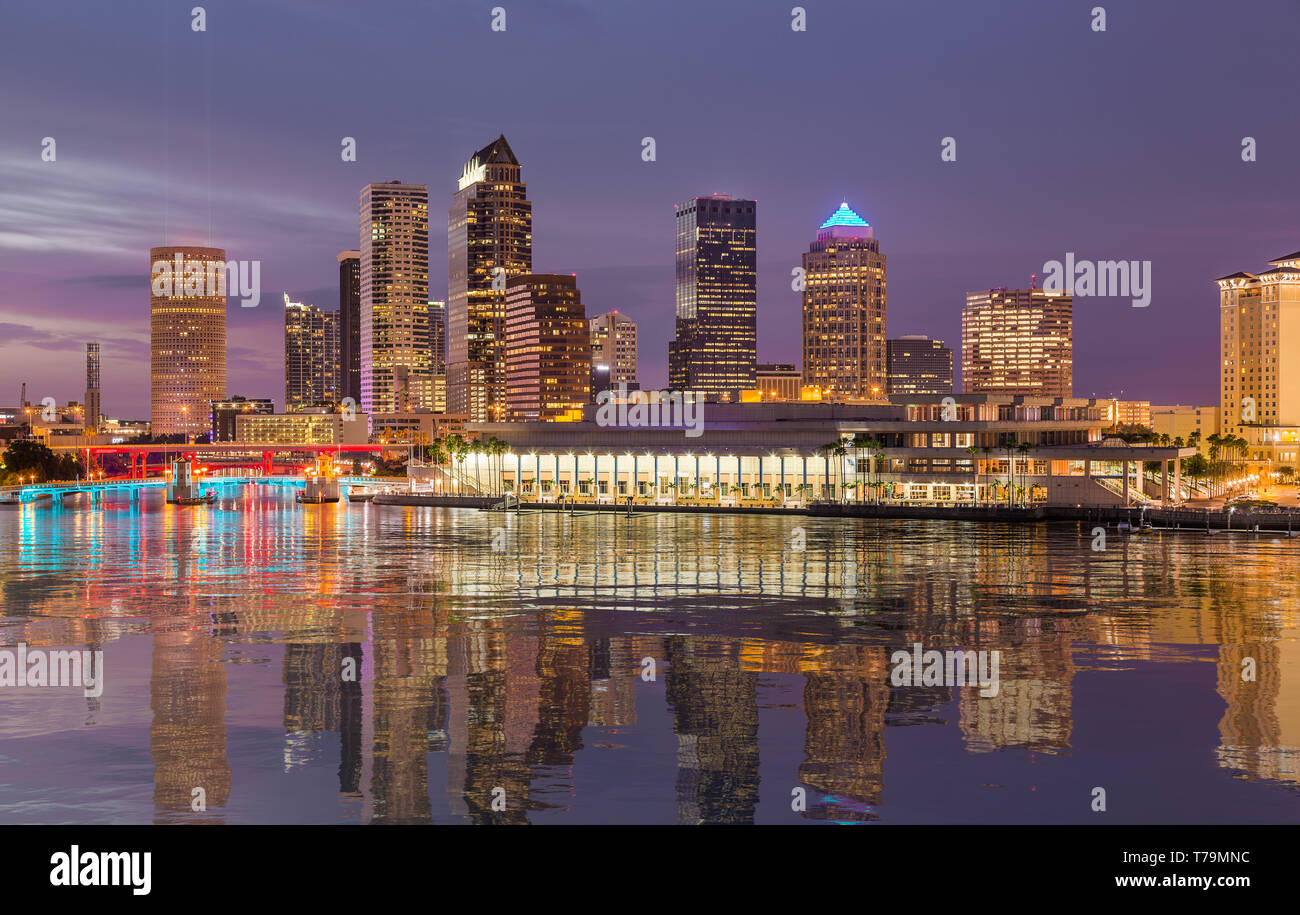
1259, 331
394, 291
350, 326
844, 310
716, 344
613, 343
919, 365
548, 349
438, 338
1017, 341
311, 355
187, 337
489, 240
92, 388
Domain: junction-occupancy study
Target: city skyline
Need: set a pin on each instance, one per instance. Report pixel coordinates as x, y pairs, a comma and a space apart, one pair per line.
991, 218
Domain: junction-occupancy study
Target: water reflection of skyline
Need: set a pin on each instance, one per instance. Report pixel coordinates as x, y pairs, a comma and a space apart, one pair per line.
505, 666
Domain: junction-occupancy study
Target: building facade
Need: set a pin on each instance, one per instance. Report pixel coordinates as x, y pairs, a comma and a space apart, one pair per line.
350, 325
489, 240
785, 453
93, 409
225, 411
844, 296
1186, 422
438, 338
613, 344
777, 381
187, 337
311, 356
1017, 341
394, 335
548, 349
919, 365
1259, 331
716, 344
314, 426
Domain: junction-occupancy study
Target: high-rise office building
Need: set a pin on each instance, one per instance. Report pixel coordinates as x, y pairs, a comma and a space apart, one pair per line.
1259, 331
311, 356
394, 291
844, 310
1018, 341
489, 240
438, 338
919, 365
92, 413
548, 349
716, 343
613, 344
350, 326
187, 337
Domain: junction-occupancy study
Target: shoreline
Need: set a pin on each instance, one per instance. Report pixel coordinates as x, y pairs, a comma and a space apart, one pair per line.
1160, 519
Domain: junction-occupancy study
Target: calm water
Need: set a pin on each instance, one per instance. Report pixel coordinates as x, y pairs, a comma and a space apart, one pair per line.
520, 675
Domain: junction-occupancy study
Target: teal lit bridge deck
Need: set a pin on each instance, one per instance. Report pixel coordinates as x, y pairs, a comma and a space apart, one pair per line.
32, 492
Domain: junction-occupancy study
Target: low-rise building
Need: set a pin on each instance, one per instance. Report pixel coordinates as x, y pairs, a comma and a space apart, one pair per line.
973, 449
418, 427
307, 428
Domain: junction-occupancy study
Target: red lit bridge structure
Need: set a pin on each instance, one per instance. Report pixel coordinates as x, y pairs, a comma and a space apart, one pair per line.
291, 457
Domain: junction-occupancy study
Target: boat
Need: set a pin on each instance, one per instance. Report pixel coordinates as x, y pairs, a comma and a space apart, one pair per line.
360, 495
207, 498
302, 498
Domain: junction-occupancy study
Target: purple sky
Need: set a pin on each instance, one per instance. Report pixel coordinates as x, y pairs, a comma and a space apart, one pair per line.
1124, 144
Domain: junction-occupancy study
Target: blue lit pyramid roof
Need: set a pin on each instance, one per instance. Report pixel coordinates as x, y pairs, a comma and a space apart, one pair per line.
845, 217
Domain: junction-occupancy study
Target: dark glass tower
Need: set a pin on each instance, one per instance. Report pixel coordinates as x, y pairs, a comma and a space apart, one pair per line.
489, 228
350, 324
715, 349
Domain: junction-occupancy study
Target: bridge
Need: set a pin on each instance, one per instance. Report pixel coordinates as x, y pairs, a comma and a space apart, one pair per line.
252, 455
32, 492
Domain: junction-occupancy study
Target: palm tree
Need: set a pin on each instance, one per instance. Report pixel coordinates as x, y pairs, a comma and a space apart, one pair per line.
877, 455
975, 470
1025, 448
827, 450
500, 449
840, 451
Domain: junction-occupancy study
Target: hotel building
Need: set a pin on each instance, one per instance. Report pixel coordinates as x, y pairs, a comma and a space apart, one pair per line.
548, 349
311, 356
350, 325
1259, 385
312, 426
716, 343
844, 353
394, 334
1017, 341
919, 365
187, 337
489, 240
